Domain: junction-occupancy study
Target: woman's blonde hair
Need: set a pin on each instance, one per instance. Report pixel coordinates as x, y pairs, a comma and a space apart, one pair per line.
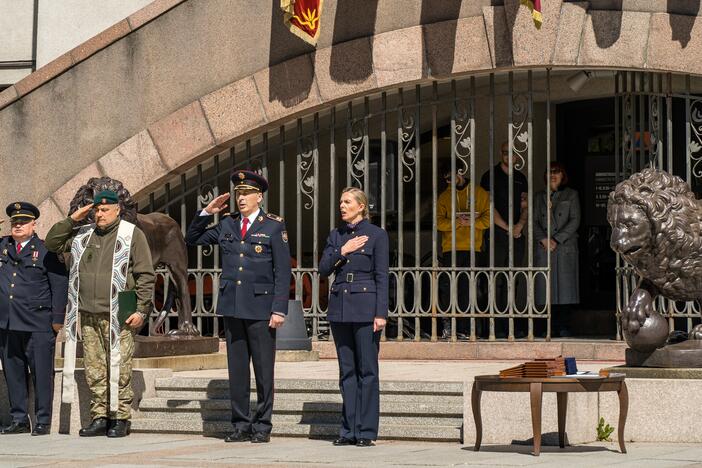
360, 197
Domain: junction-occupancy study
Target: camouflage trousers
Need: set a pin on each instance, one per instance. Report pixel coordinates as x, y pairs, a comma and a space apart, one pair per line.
96, 357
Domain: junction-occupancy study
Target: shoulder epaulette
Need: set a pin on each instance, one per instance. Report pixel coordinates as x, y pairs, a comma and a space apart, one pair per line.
274, 217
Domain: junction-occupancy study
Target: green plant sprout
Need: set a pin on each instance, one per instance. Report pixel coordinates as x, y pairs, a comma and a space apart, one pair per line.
604, 431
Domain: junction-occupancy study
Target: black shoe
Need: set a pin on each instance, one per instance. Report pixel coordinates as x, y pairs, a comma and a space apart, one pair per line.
120, 428
41, 429
238, 436
364, 443
344, 441
260, 438
15, 428
97, 428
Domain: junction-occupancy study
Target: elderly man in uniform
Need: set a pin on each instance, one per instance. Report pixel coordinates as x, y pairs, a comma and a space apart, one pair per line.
253, 296
33, 285
101, 253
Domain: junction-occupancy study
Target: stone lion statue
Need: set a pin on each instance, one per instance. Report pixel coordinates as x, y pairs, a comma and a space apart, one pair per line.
657, 229
165, 240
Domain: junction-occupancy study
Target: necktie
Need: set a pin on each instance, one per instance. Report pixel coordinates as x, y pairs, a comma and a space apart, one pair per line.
244, 225
19, 247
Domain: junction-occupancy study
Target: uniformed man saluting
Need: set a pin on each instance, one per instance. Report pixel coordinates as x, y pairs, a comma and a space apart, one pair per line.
253, 296
33, 295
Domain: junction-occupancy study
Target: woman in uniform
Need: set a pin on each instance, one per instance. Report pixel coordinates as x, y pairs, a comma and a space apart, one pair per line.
357, 254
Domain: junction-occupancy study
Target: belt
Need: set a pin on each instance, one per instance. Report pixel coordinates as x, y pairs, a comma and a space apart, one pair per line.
353, 277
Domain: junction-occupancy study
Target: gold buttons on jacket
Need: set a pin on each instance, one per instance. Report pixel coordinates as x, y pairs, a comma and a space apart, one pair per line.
345, 291
238, 283
10, 296
242, 242
14, 274
241, 268
12, 285
241, 254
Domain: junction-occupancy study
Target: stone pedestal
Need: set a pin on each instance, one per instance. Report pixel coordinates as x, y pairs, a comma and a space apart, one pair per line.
156, 346
687, 354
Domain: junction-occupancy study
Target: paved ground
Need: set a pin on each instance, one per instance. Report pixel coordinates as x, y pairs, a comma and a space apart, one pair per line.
180, 450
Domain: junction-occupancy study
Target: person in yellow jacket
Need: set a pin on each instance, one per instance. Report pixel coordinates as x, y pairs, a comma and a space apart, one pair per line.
481, 218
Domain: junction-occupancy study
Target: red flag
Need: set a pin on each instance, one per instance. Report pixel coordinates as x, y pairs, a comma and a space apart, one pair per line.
302, 18
535, 8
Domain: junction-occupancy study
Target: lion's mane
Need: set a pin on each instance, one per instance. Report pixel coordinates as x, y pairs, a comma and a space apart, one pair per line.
675, 220
86, 193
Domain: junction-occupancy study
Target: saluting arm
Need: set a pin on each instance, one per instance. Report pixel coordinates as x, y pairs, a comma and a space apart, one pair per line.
60, 236
198, 234
331, 258
143, 272
282, 270
381, 256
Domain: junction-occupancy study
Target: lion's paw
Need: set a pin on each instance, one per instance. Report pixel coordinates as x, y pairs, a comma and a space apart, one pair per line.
696, 333
185, 329
643, 328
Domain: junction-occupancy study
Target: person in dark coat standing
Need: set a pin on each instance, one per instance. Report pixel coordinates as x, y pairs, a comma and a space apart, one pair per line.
563, 206
253, 296
357, 253
33, 296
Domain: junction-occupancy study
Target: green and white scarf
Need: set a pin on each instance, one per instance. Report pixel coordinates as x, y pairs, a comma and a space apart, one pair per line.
120, 265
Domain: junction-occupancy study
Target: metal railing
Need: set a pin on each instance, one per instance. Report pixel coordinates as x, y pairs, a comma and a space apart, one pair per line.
394, 143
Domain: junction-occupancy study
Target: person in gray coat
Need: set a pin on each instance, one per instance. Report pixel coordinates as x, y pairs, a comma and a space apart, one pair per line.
564, 209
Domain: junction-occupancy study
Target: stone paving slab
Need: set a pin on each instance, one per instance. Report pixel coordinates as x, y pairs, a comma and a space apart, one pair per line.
153, 450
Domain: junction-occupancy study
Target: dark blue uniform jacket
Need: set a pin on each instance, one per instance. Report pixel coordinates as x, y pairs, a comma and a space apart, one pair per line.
256, 270
33, 287
360, 289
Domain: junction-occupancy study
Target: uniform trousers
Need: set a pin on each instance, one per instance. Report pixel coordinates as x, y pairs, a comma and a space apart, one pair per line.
357, 347
96, 357
23, 353
250, 341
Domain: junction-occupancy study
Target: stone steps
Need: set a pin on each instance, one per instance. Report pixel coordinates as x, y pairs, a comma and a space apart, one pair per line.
443, 407
293, 385
450, 433
305, 408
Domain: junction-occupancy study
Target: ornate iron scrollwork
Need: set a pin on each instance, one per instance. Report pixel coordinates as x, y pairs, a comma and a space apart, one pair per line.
207, 194
654, 125
695, 143
357, 146
306, 170
462, 133
407, 132
520, 139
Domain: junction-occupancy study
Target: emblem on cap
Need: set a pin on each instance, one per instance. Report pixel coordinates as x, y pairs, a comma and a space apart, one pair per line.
17, 206
242, 176
104, 200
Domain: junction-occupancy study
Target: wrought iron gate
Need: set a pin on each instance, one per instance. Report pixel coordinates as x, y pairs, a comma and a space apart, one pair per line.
391, 144
654, 134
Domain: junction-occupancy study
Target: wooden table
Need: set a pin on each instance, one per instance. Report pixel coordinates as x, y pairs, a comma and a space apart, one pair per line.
561, 386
